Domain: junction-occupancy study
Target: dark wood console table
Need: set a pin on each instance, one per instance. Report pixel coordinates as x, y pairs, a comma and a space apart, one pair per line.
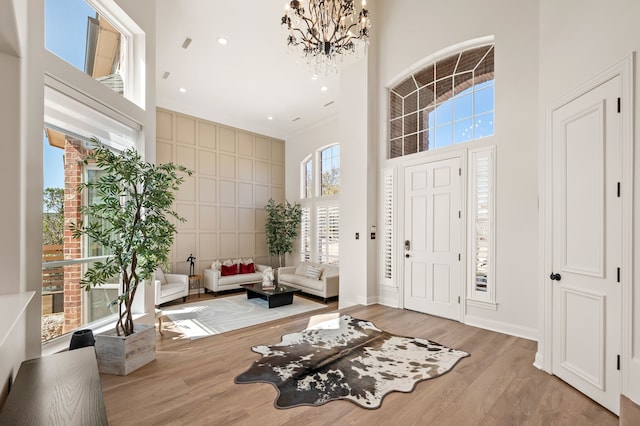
60, 389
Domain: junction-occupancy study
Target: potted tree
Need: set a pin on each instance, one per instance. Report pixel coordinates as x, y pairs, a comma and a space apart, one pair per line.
282, 227
131, 219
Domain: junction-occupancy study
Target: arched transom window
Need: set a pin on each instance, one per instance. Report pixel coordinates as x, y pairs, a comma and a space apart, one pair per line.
447, 102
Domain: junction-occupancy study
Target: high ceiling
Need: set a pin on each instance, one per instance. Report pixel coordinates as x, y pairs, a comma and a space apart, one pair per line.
243, 83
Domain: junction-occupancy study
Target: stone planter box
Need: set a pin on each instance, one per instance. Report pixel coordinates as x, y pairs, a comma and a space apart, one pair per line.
123, 355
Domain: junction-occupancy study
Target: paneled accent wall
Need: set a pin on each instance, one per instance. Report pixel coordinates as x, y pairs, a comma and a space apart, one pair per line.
235, 172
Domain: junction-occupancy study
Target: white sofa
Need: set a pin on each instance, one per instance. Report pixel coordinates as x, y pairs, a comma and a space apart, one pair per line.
326, 286
170, 287
213, 281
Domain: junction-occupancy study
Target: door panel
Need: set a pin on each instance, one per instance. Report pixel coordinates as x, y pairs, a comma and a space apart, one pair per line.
587, 240
433, 272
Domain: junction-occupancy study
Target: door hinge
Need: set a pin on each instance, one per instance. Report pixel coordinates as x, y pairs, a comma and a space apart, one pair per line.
618, 363
459, 257
459, 214
619, 106
459, 171
618, 274
618, 189
458, 300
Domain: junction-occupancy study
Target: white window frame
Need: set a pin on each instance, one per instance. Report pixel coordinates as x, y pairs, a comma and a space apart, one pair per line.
313, 204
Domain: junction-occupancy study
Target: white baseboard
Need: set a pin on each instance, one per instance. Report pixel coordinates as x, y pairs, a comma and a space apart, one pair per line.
502, 327
539, 361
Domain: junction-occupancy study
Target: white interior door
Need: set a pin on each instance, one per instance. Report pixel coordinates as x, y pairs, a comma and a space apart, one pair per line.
587, 240
433, 233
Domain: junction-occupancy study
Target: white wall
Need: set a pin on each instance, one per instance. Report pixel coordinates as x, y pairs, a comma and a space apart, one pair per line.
578, 40
407, 36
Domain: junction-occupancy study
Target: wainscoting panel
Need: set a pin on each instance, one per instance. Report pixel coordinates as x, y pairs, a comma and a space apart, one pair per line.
235, 172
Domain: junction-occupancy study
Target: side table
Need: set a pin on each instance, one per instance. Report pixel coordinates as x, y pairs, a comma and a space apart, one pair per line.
195, 280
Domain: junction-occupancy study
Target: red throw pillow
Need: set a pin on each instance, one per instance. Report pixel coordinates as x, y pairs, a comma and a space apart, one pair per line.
247, 269
228, 270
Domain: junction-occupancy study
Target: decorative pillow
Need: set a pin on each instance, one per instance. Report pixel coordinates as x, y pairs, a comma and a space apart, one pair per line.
301, 269
246, 261
247, 268
216, 265
228, 270
313, 272
160, 276
228, 262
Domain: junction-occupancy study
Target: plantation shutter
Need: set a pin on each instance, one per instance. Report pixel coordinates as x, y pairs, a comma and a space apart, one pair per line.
328, 226
482, 223
388, 223
305, 235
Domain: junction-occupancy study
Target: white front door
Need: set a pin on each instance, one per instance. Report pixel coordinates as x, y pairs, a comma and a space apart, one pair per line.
587, 240
433, 238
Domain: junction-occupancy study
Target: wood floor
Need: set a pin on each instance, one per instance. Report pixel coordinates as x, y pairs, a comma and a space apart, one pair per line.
191, 382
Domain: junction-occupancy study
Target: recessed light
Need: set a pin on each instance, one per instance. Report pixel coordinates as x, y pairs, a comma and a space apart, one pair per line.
314, 77
324, 88
270, 118
182, 90
222, 40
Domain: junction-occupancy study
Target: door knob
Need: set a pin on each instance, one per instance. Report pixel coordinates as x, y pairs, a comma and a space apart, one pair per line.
555, 277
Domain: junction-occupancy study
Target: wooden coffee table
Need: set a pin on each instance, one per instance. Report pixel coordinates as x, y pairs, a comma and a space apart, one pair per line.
279, 296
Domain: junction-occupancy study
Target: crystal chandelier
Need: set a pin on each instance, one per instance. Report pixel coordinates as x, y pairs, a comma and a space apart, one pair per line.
326, 29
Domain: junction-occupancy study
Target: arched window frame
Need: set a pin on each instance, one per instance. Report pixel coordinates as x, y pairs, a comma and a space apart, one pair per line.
439, 102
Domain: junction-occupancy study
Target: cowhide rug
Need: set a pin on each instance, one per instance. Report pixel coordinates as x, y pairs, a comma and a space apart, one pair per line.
347, 358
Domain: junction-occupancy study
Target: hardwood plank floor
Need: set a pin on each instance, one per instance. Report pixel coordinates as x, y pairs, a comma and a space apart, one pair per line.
191, 382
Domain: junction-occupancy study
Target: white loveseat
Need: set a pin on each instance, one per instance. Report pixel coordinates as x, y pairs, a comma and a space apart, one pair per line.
326, 286
215, 282
170, 287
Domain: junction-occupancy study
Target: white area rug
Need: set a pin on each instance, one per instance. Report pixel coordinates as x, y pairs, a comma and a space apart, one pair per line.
215, 316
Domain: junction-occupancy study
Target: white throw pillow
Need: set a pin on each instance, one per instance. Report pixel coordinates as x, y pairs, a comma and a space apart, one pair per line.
216, 265
160, 276
313, 272
301, 269
246, 261
229, 262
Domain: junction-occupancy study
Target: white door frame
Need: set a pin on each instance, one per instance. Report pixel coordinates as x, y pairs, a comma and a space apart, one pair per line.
399, 229
545, 310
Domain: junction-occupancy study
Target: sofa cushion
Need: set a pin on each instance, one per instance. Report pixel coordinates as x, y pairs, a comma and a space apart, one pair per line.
247, 268
171, 288
240, 279
228, 270
160, 276
301, 269
313, 272
301, 282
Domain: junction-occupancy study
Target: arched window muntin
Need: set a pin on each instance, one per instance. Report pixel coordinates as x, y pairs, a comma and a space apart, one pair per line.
448, 101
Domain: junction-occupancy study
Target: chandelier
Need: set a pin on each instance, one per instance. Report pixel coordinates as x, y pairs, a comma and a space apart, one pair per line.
326, 29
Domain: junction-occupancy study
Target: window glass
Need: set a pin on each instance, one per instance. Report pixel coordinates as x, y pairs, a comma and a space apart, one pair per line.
450, 101
78, 34
307, 183
330, 170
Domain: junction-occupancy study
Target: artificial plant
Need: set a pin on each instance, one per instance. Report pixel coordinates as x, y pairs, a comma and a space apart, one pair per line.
130, 218
282, 227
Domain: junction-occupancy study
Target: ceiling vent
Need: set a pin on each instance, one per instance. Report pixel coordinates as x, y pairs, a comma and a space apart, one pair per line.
296, 119
166, 75
328, 103
185, 44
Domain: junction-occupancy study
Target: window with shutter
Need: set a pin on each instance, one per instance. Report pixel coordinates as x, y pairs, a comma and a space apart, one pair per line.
305, 235
388, 224
328, 231
482, 212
